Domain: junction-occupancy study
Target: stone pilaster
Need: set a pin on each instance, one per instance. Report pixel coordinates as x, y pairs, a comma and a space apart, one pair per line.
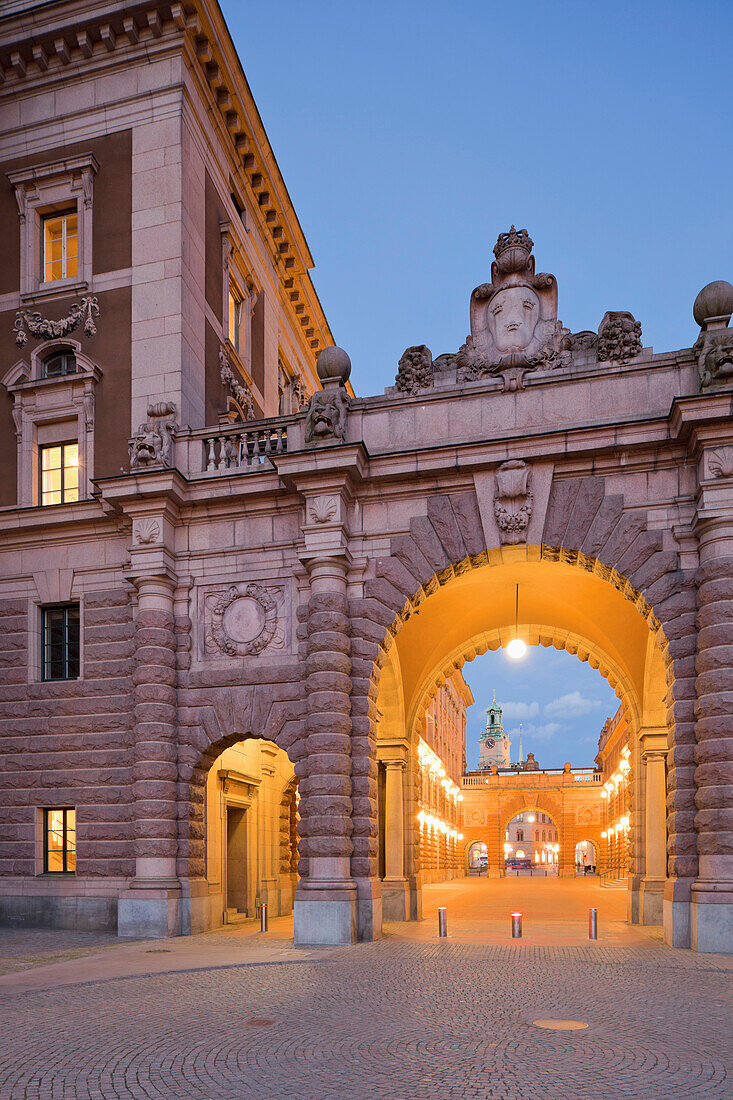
653, 745
712, 892
395, 893
151, 907
325, 899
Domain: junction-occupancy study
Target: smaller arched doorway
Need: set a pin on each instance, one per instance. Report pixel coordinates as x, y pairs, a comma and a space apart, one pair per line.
531, 844
478, 858
586, 858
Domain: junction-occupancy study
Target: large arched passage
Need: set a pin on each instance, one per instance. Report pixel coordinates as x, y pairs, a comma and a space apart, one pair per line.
571, 602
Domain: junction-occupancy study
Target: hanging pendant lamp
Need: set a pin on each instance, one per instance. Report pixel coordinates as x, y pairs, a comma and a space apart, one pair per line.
516, 648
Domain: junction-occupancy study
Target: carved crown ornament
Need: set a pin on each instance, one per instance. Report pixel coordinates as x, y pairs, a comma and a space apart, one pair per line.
515, 331
31, 322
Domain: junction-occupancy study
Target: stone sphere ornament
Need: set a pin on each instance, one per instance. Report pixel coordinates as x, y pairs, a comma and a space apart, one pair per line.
714, 302
333, 365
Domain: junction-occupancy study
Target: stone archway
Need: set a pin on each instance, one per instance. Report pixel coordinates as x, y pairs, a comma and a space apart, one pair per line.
449, 544
531, 804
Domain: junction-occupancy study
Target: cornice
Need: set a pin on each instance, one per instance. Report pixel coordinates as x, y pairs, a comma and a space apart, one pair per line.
47, 40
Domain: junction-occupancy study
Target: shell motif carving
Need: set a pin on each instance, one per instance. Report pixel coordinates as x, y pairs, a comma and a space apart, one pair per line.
147, 531
322, 509
720, 462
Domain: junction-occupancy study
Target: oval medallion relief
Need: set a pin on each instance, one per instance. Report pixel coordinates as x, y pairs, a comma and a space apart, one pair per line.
244, 620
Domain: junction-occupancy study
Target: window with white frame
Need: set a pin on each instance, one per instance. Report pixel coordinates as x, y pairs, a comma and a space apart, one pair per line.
234, 317
59, 473
58, 363
59, 246
55, 213
53, 410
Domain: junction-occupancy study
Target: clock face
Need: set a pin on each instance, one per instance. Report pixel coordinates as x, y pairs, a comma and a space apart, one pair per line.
491, 742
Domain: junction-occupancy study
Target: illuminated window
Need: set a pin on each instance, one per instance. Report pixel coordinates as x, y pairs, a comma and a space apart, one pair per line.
234, 323
59, 841
60, 473
59, 365
60, 648
60, 245
520, 854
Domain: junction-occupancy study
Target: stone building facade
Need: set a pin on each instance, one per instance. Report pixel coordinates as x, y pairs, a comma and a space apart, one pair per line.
441, 761
177, 576
564, 804
533, 836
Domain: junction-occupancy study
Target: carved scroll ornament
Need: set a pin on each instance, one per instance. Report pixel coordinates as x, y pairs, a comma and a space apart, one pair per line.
242, 392
43, 329
513, 502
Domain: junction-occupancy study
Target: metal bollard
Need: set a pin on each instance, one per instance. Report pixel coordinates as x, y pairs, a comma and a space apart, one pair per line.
593, 924
263, 917
442, 925
516, 925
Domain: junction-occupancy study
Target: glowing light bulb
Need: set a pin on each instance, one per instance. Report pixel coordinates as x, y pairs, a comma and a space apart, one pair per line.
516, 649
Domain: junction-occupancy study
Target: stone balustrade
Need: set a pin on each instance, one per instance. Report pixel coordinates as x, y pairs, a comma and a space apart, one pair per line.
236, 448
578, 775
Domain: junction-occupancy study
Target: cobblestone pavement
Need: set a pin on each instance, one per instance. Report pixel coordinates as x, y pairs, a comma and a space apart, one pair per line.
21, 948
401, 1020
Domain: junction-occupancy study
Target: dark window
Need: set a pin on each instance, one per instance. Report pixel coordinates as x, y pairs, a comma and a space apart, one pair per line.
58, 365
60, 642
59, 841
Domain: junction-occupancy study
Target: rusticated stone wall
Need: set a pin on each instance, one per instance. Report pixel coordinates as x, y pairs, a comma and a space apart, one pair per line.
68, 743
156, 749
326, 783
714, 665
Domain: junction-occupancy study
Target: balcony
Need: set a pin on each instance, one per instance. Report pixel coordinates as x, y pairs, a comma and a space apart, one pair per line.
237, 448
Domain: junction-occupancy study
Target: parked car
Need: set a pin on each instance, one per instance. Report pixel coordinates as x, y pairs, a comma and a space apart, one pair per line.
516, 864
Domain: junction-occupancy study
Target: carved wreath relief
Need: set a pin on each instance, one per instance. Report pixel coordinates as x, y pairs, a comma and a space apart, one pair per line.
243, 620
513, 502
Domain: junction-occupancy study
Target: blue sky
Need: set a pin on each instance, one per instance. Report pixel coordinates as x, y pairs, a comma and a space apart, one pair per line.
560, 701
410, 134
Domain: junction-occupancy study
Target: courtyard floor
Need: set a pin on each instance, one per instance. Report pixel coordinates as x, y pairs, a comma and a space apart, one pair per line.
236, 1014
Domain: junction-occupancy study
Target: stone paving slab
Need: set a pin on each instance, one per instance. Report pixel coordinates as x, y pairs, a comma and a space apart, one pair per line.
407, 1021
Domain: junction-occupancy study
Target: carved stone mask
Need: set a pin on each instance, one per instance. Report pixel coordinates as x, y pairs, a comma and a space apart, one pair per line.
512, 317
